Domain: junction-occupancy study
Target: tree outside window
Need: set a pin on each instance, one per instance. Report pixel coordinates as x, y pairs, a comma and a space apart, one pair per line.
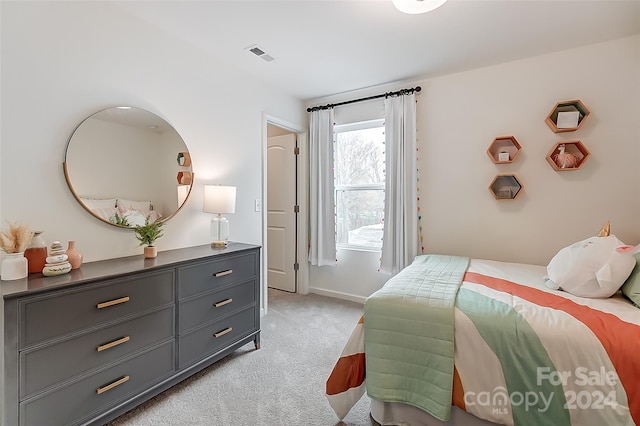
359, 185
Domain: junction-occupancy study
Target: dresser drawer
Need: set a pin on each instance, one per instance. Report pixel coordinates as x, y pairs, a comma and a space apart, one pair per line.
203, 342
74, 402
57, 362
47, 317
217, 273
214, 305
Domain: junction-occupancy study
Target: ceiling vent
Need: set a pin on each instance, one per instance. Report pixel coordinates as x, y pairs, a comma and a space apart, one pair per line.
260, 53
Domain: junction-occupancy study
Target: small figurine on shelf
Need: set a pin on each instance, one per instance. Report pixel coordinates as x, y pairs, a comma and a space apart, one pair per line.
565, 160
57, 261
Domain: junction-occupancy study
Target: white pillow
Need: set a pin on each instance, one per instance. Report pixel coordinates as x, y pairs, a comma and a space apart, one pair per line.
134, 217
133, 205
590, 268
106, 213
99, 203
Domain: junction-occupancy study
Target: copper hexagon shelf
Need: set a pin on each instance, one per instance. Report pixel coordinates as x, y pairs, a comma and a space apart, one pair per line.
504, 149
506, 187
567, 155
567, 116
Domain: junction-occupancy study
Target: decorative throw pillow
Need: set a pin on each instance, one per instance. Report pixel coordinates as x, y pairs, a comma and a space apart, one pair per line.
99, 203
631, 287
590, 268
134, 217
106, 213
133, 205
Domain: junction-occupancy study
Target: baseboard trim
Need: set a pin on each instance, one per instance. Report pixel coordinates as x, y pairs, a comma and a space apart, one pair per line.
338, 295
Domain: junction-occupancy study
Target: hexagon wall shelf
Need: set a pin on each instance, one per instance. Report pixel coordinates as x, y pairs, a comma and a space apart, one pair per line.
575, 155
506, 187
573, 114
504, 145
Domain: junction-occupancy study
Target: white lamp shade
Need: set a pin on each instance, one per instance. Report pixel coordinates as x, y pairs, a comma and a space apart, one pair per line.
219, 199
417, 6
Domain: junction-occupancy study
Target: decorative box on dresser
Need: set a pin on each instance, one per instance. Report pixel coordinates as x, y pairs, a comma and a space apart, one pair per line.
85, 347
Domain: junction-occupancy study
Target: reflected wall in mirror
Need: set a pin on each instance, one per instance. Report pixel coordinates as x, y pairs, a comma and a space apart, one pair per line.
121, 165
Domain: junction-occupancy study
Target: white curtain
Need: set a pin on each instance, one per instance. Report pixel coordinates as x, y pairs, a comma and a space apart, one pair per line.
322, 249
400, 239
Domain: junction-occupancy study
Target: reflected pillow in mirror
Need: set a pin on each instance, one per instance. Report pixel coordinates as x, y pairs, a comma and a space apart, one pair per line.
134, 217
133, 205
106, 213
99, 203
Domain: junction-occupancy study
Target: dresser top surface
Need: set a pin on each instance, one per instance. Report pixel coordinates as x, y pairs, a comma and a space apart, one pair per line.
112, 268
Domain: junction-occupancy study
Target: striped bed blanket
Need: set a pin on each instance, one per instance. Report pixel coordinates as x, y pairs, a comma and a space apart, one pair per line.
526, 355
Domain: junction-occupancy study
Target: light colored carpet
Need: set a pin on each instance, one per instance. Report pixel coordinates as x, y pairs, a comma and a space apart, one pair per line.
280, 384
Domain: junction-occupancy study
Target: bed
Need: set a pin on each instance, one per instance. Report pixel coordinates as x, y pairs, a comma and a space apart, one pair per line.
451, 340
122, 211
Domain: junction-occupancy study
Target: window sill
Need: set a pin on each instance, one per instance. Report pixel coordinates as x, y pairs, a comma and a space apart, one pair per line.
358, 248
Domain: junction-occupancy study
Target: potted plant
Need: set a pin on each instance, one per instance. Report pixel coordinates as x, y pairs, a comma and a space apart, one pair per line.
147, 234
13, 242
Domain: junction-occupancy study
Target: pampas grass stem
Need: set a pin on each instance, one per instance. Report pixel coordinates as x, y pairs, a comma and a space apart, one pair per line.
16, 239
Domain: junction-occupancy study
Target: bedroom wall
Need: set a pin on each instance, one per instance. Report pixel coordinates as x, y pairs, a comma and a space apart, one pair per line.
63, 61
458, 117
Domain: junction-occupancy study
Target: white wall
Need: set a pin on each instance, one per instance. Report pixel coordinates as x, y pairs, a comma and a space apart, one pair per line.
62, 62
459, 115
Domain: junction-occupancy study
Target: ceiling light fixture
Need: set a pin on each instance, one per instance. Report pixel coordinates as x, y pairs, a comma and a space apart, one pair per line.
414, 7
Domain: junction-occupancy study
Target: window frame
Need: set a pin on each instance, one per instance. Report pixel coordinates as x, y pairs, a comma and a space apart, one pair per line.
349, 127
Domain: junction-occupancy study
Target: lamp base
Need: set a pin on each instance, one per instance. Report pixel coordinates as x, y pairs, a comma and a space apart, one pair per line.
219, 244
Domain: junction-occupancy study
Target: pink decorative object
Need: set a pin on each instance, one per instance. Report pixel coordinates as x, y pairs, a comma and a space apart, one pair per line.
565, 160
75, 256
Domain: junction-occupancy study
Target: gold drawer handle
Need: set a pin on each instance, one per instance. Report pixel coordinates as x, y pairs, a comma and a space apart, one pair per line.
112, 344
112, 302
112, 385
222, 303
223, 332
223, 273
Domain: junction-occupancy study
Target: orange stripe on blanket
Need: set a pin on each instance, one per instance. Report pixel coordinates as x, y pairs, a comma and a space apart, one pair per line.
348, 373
608, 328
457, 398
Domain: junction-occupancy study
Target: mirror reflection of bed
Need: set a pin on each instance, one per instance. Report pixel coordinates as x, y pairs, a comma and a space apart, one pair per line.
121, 211
121, 165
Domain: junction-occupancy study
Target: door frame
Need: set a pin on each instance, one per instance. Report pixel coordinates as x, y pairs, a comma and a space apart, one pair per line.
302, 197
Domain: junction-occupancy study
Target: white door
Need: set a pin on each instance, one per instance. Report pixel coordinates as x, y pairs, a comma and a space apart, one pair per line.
281, 216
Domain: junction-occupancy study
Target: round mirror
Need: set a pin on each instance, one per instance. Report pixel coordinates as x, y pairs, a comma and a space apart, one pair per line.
126, 165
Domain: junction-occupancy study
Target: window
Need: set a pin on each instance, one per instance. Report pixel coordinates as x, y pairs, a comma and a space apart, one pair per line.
359, 184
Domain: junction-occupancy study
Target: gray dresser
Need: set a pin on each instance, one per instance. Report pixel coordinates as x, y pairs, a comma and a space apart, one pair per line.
85, 347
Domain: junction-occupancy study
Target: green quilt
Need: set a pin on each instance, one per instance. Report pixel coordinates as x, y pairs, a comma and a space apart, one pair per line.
409, 335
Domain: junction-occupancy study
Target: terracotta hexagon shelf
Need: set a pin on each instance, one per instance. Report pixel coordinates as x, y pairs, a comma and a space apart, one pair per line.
184, 178
506, 187
567, 116
567, 155
504, 149
184, 159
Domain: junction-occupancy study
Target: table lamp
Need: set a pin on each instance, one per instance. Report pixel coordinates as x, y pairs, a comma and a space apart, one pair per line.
219, 200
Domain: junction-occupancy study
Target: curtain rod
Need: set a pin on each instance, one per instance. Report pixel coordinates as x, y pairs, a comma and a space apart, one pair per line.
384, 95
